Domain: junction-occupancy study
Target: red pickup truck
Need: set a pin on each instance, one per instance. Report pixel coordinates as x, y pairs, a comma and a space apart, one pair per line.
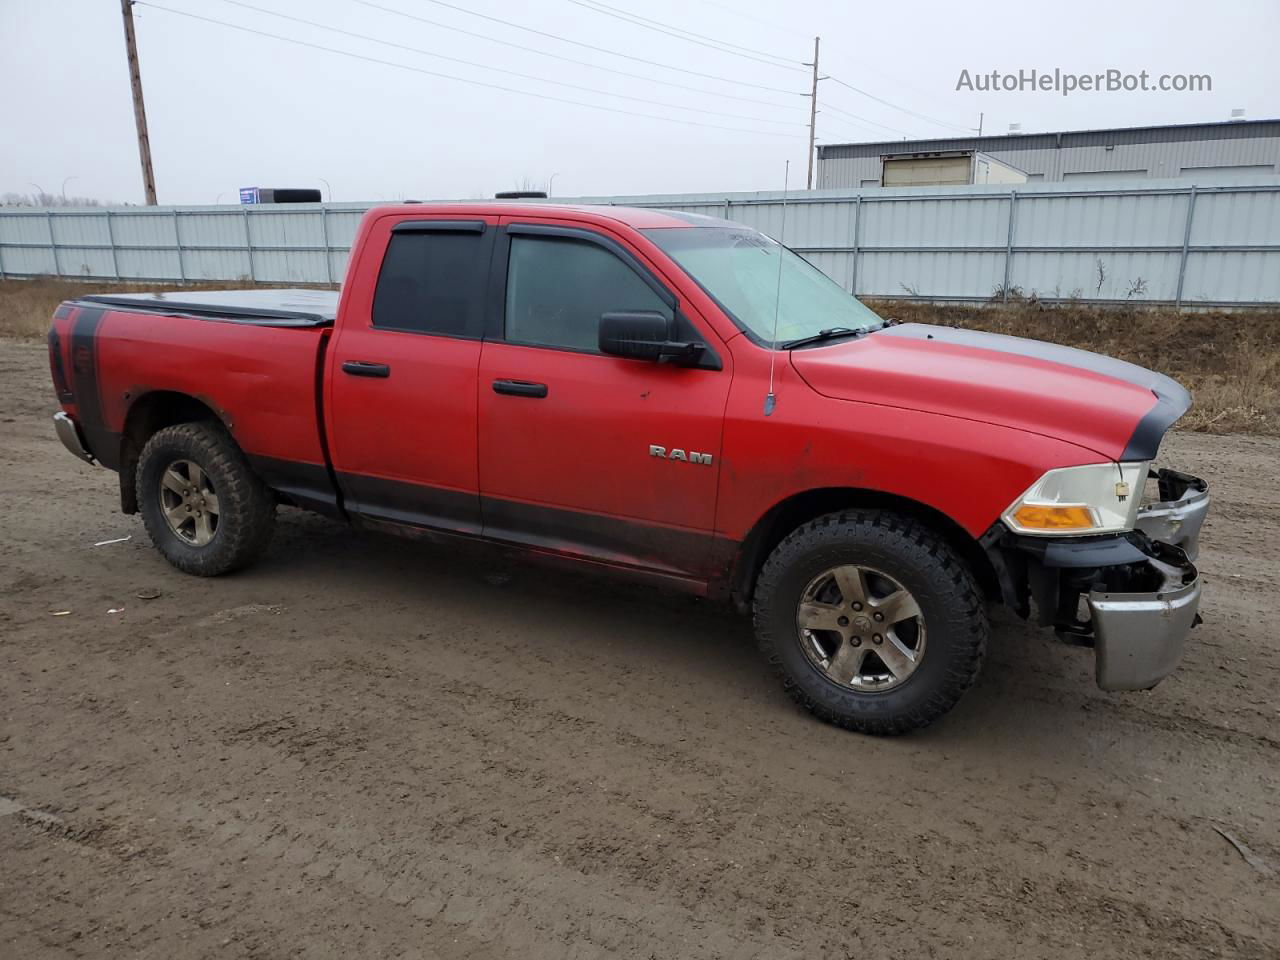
672, 397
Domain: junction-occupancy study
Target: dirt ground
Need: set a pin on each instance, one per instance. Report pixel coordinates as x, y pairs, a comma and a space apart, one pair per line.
366, 747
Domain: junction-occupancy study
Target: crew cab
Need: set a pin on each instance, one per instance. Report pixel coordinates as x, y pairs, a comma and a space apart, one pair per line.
669, 397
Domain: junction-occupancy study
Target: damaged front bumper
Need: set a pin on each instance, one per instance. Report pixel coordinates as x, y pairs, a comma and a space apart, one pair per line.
1133, 597
1138, 637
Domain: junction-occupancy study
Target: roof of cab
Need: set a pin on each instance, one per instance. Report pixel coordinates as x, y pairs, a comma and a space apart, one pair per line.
640, 219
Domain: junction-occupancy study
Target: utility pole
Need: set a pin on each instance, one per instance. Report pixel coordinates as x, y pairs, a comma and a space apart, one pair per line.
139, 110
813, 113
980, 116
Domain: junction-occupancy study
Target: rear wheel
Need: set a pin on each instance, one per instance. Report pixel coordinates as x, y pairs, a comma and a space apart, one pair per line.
872, 621
201, 503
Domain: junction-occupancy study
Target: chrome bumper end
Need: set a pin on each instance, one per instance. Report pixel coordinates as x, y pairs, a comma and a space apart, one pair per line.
1138, 637
1179, 514
69, 433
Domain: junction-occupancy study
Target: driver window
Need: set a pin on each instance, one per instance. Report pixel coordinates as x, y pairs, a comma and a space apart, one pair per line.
557, 288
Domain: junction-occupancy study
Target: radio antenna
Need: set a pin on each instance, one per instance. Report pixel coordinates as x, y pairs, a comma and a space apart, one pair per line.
770, 401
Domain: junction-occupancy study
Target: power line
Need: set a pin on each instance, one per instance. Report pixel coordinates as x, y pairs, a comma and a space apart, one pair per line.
448, 76
831, 123
564, 59
589, 46
749, 53
854, 116
899, 84
688, 35
842, 131
771, 24
484, 66
919, 116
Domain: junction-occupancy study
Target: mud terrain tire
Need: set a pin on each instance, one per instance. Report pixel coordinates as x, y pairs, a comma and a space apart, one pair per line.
238, 512
893, 551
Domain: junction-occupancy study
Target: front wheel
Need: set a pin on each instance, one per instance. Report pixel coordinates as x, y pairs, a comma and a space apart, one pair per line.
872, 621
202, 504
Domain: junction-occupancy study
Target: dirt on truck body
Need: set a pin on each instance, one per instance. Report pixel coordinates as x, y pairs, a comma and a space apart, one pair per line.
373, 747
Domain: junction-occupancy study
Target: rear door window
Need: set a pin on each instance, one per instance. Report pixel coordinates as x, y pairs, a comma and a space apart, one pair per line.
432, 281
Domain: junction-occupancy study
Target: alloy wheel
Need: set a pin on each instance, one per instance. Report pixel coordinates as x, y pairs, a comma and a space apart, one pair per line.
189, 502
861, 628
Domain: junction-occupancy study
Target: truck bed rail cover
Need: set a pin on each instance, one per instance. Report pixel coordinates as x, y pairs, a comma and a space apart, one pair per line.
281, 308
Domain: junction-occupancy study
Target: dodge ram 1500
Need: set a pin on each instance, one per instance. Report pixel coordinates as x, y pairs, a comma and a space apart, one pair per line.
672, 397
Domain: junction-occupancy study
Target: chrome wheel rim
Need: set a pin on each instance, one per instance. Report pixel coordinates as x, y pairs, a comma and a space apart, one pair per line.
861, 628
189, 502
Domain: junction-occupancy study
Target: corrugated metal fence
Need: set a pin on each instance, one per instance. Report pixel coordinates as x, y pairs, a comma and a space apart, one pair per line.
288, 243
1215, 244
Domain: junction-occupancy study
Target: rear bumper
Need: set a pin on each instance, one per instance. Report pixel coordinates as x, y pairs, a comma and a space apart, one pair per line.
1141, 590
68, 432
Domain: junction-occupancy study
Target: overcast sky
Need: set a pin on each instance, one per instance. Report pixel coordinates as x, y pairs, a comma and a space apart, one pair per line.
229, 108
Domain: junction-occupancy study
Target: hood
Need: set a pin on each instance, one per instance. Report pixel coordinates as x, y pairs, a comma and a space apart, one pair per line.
1114, 408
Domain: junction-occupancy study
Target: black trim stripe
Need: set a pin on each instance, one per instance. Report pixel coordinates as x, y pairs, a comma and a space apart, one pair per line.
411, 504
592, 536
617, 541
58, 367
102, 443
304, 484
1169, 406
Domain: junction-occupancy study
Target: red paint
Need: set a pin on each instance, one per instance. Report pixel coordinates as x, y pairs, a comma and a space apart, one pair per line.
1038, 396
586, 446
419, 425
960, 429
259, 379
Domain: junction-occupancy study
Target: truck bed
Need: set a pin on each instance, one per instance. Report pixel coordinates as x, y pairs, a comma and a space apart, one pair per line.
271, 308
251, 359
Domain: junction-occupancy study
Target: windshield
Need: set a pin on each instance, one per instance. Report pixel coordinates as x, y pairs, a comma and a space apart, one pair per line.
739, 268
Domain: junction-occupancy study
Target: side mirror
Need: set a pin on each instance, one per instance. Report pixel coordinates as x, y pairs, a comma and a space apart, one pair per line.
642, 335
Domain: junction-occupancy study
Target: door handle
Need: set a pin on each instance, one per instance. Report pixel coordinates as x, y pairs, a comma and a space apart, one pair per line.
520, 388
359, 368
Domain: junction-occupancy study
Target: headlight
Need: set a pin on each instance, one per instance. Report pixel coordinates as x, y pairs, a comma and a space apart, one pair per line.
1073, 501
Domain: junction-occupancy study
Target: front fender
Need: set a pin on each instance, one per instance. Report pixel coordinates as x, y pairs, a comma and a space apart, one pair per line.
967, 470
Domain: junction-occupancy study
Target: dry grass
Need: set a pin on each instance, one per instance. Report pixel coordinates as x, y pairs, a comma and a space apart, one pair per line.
1229, 361
26, 306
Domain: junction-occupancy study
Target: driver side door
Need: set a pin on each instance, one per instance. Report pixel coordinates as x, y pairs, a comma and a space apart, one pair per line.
580, 453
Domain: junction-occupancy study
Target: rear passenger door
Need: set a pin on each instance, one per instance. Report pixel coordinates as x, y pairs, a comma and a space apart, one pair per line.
568, 434
401, 401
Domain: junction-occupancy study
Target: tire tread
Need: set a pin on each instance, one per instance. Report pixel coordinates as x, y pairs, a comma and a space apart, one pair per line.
961, 595
247, 505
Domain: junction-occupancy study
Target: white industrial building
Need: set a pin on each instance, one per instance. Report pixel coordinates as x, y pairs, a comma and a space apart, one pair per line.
1184, 151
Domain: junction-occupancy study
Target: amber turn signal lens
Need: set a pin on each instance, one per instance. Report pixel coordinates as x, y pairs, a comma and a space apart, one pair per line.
1032, 516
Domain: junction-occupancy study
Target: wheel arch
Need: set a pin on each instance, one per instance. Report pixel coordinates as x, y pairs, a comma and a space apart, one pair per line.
797, 509
148, 413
